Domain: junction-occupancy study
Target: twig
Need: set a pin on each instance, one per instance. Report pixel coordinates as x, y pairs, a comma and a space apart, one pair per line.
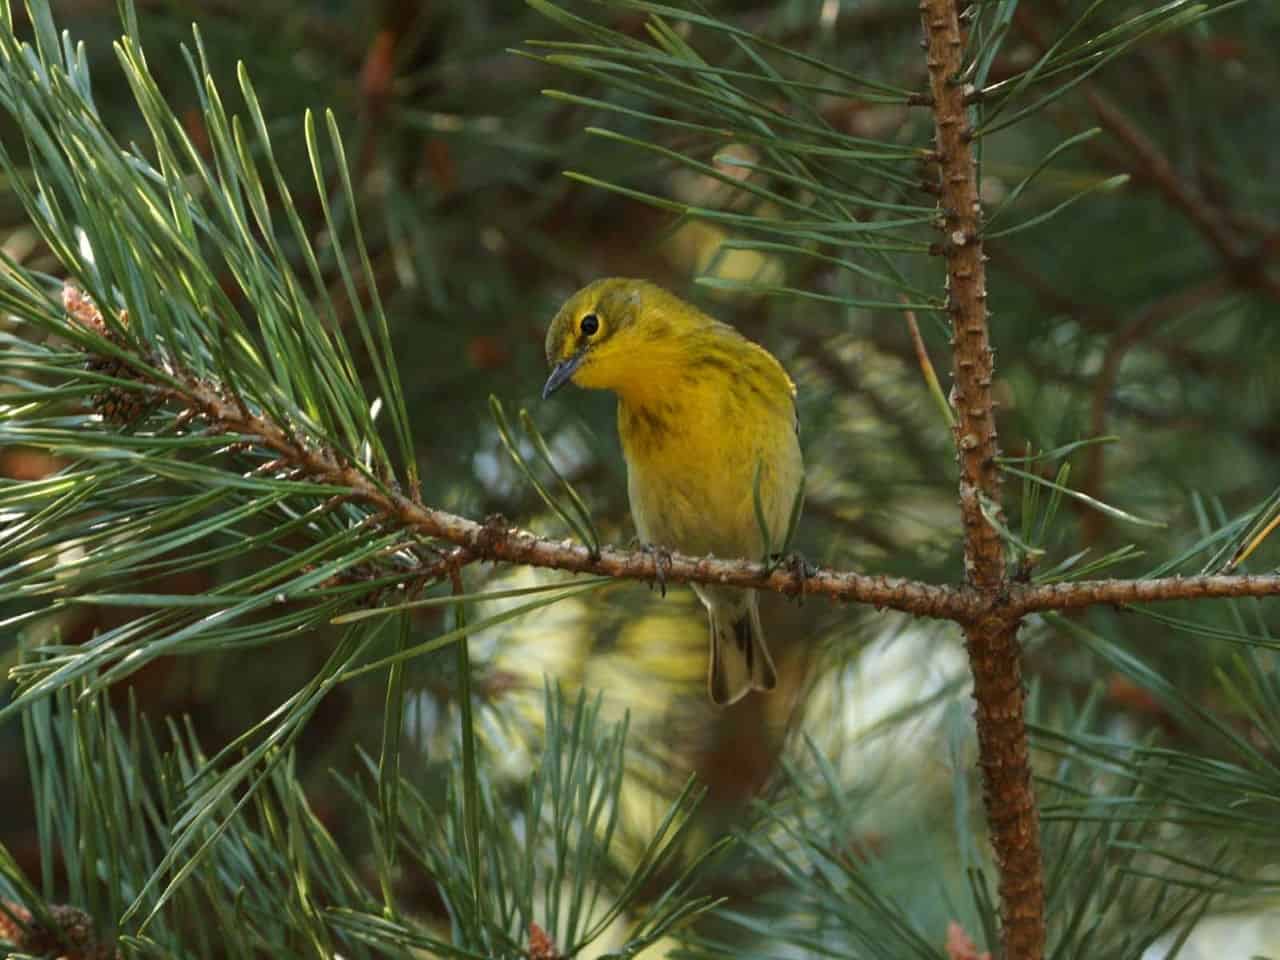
1148, 163
1151, 165
1133, 333
496, 540
1022, 600
927, 371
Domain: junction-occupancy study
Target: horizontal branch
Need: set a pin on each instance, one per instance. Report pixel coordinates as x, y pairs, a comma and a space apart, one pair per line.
496, 540
1022, 600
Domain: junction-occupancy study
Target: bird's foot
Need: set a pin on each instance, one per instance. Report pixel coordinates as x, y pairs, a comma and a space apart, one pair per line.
661, 563
799, 567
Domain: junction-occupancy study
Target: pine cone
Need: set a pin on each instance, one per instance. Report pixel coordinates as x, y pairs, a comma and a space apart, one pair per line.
116, 404
72, 936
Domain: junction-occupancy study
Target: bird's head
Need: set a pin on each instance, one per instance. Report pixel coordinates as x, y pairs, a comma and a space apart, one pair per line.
603, 334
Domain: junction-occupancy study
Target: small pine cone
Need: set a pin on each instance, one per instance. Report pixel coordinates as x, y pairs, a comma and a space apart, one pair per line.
116, 404
72, 937
541, 946
120, 406
83, 310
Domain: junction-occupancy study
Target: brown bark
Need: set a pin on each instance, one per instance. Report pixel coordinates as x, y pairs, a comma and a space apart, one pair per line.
1008, 795
992, 643
1088, 593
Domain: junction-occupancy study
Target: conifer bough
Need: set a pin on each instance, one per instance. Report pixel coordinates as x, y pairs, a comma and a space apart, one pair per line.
989, 605
494, 539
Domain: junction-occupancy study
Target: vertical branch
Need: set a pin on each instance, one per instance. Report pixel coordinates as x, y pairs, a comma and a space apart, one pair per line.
1010, 803
994, 654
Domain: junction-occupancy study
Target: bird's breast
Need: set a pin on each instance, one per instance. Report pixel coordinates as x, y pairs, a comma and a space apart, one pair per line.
653, 429
692, 456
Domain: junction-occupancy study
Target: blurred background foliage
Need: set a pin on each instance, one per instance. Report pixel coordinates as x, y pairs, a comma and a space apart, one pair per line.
1143, 312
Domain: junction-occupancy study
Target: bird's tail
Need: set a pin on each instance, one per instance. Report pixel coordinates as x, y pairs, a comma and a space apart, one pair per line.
740, 660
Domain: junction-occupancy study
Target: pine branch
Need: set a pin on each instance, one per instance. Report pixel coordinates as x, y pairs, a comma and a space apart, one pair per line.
162, 377
1089, 593
1247, 267
495, 540
1148, 162
1126, 338
992, 642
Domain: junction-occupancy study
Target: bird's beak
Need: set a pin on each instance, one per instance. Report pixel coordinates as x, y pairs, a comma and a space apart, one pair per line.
561, 374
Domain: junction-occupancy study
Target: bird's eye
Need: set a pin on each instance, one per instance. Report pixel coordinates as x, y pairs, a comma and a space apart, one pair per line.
590, 324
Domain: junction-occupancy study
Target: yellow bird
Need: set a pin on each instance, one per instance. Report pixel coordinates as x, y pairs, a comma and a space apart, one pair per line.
706, 417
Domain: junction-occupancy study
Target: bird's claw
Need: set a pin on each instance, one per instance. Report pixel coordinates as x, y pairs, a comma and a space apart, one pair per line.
800, 568
661, 555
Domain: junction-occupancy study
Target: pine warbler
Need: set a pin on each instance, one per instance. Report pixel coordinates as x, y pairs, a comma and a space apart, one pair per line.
705, 417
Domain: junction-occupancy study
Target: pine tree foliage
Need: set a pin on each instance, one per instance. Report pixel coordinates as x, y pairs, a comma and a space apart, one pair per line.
227, 310
275, 880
